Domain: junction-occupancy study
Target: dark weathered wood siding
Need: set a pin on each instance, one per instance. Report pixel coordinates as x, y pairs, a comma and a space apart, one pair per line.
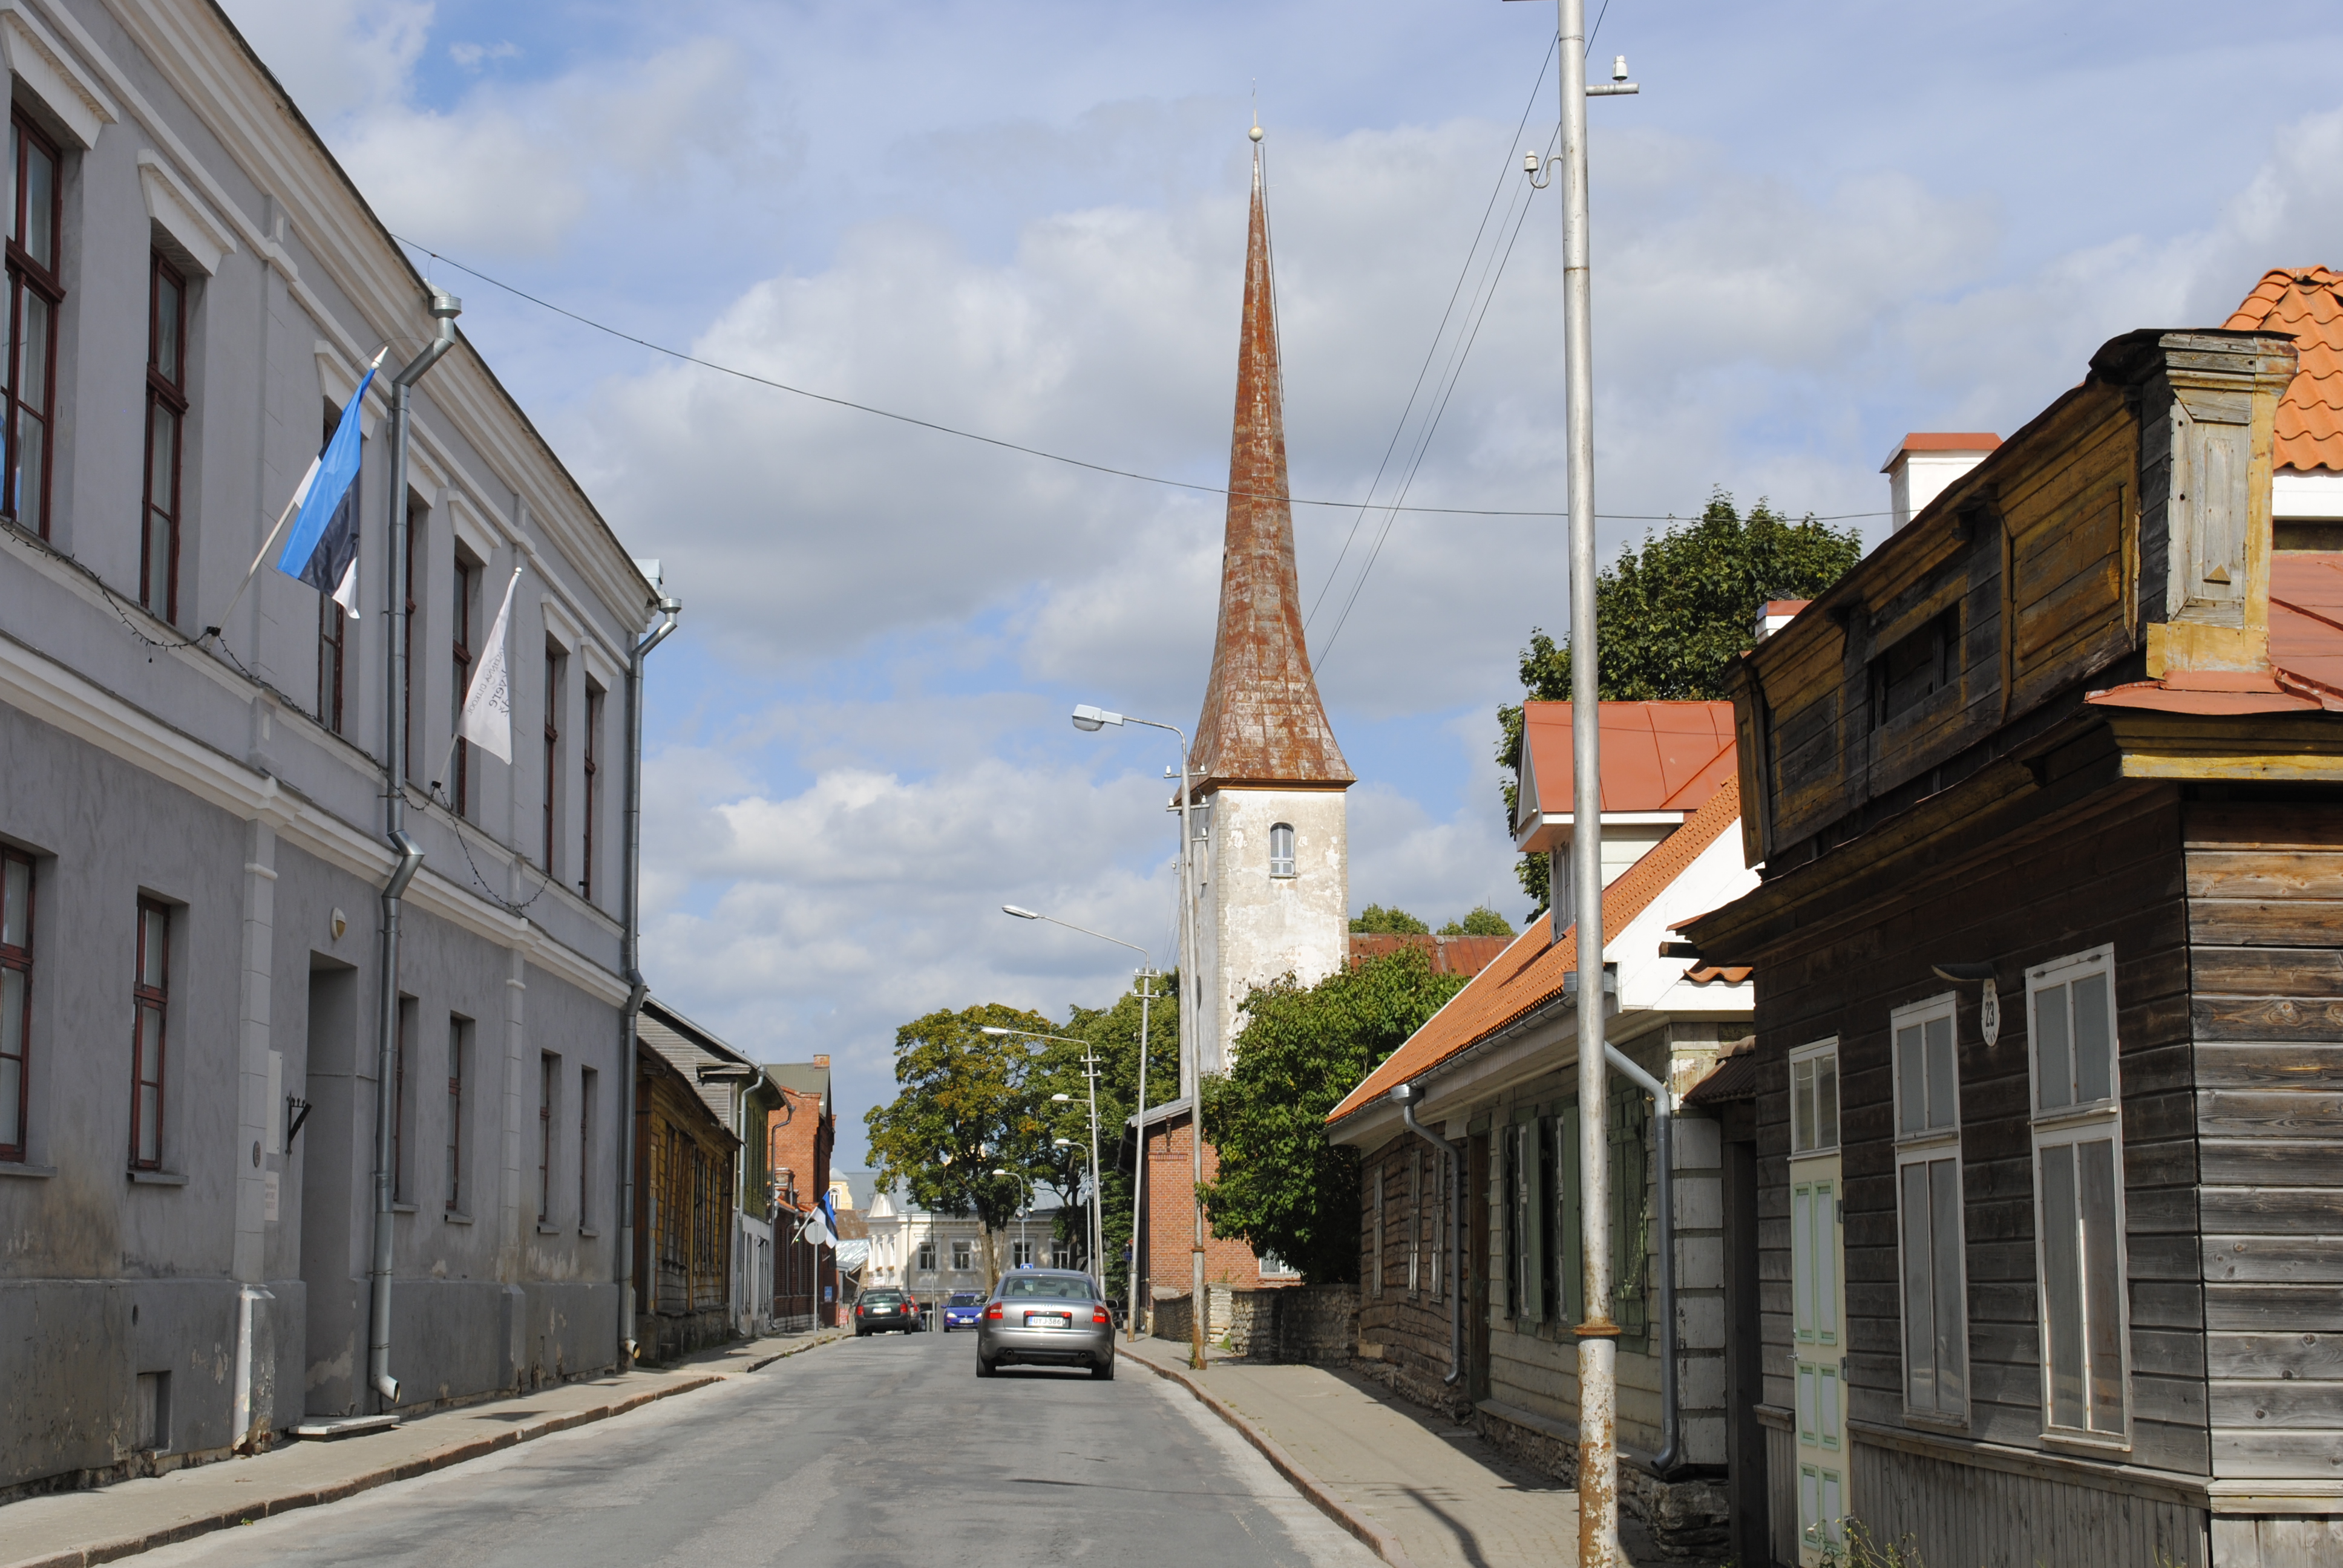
2266, 927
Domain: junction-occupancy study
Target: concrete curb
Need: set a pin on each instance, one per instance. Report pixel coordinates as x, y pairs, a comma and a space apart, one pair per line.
437, 1459
1378, 1540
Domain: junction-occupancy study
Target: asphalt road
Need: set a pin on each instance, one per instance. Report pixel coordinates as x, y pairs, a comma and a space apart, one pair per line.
872, 1452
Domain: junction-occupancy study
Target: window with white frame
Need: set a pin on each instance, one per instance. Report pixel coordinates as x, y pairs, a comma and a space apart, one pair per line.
963, 1254
926, 1263
1928, 1220
1061, 1253
1280, 849
1815, 1261
2078, 1195
1020, 1254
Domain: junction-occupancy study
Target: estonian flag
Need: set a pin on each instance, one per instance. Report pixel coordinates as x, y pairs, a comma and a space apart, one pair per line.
822, 1226
323, 549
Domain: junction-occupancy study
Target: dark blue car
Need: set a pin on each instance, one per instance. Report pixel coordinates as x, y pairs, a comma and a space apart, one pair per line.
963, 1310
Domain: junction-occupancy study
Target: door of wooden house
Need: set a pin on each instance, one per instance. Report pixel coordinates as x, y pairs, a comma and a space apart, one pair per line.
1818, 1295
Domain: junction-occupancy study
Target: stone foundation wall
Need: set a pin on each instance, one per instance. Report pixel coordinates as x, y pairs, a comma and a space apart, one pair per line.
1660, 1521
1316, 1324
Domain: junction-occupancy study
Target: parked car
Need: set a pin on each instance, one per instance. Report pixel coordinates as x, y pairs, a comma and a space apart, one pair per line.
963, 1310
1045, 1317
880, 1312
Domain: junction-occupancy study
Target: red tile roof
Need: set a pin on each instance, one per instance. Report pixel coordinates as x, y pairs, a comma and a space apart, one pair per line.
1530, 972
1943, 441
1449, 955
1657, 756
2306, 653
2307, 301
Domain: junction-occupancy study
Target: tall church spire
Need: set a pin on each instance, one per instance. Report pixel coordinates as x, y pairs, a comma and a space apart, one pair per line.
1263, 721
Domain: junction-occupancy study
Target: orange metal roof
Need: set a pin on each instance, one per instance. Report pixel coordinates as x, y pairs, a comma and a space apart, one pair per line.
1530, 972
2306, 653
1657, 756
1786, 606
2304, 301
1943, 441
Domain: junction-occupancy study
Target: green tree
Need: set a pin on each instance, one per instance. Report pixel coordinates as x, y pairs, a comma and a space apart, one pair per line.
1672, 616
965, 1107
1483, 921
1283, 1187
1113, 1033
1377, 921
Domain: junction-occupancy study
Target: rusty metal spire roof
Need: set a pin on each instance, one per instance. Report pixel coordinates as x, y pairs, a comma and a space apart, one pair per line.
1263, 721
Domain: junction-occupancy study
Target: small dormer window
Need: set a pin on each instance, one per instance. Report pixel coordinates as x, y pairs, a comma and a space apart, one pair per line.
1280, 849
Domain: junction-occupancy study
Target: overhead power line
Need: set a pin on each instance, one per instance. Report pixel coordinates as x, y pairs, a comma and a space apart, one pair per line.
943, 429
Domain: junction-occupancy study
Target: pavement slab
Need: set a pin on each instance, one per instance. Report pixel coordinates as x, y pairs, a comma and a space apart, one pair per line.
102, 1525
1414, 1486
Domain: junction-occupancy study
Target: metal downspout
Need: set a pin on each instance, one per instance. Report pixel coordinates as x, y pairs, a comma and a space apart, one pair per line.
1664, 1141
631, 968
447, 308
1405, 1096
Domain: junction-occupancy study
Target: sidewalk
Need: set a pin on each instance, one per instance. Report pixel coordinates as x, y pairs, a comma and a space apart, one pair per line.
73, 1528
1414, 1486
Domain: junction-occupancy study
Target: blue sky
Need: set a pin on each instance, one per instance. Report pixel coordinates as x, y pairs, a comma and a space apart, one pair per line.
1820, 225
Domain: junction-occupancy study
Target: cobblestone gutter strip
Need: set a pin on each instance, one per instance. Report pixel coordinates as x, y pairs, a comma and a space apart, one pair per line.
1382, 1542
250, 1511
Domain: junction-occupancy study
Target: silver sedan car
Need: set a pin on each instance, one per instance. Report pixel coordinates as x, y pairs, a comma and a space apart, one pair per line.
1045, 1317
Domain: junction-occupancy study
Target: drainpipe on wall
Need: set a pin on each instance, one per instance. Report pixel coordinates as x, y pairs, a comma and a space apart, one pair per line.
1405, 1096
447, 308
1663, 1143
631, 969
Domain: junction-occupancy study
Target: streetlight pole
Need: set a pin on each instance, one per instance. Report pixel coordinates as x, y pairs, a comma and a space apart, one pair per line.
1090, 1073
1598, 1336
1087, 718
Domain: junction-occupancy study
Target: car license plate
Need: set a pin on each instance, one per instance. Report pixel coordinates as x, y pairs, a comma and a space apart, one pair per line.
1048, 1320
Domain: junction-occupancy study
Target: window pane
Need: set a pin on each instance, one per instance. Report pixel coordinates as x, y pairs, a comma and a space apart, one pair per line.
166, 329
1810, 1505
1833, 1515
33, 369
1944, 1093
40, 207
163, 450
1801, 1107
1826, 1255
16, 901
1826, 1102
1806, 1401
1802, 1259
1910, 1107
12, 1057
155, 949
2093, 1066
1951, 1314
2053, 1067
1919, 1293
150, 1111
2062, 1303
2102, 1281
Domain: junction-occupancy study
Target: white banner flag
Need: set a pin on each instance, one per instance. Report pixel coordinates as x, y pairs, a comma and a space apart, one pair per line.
488, 702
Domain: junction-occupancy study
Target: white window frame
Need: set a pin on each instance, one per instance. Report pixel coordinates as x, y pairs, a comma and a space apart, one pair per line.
1928, 1146
1020, 1253
1280, 866
1821, 1398
2071, 1126
963, 1254
925, 1257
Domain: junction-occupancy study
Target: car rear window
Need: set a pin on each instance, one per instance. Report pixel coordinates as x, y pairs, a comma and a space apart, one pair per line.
882, 1298
1046, 1290
965, 1298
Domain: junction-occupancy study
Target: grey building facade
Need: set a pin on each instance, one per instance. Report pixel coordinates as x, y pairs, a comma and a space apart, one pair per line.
191, 826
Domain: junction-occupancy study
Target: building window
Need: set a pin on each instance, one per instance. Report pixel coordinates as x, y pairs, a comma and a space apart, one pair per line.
460, 1041
150, 1002
963, 1255
1819, 1342
34, 296
927, 1264
1928, 1218
407, 640
552, 748
586, 1081
402, 1053
2078, 1195
1273, 1267
166, 413
1020, 1254
332, 646
1061, 1253
1376, 1274
16, 1000
592, 762
549, 1072
1415, 1221
1280, 849
467, 580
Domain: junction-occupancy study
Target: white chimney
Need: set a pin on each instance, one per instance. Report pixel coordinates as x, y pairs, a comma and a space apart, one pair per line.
1776, 613
1926, 464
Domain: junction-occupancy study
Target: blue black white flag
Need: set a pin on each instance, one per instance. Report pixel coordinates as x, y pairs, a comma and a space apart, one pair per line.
323, 548
822, 1225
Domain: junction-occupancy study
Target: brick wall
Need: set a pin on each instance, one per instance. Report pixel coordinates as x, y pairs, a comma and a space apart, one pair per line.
1169, 1232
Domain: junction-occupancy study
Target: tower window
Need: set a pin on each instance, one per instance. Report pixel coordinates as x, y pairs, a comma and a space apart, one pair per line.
1280, 849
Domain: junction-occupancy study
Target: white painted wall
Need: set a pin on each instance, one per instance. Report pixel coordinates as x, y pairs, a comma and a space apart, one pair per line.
1251, 926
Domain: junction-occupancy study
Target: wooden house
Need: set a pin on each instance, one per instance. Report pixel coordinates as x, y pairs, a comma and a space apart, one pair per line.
686, 1170
2049, 1001
1470, 1282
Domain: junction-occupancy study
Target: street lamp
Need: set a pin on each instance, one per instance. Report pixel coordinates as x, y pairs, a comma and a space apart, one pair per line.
1148, 975
1025, 1194
1090, 1071
1089, 719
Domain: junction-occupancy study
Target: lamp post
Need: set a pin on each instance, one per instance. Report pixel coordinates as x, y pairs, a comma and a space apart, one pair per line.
1089, 719
1090, 1071
1025, 1201
1148, 974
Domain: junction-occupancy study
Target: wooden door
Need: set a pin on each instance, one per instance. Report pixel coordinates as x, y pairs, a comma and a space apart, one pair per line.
1818, 1297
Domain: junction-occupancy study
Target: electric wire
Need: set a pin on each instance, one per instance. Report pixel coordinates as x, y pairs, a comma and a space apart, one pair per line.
677, 354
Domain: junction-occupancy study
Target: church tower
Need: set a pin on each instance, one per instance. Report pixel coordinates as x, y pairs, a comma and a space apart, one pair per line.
1274, 895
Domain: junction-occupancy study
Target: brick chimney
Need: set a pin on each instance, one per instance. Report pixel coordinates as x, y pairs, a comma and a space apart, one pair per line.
1926, 464
822, 1062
